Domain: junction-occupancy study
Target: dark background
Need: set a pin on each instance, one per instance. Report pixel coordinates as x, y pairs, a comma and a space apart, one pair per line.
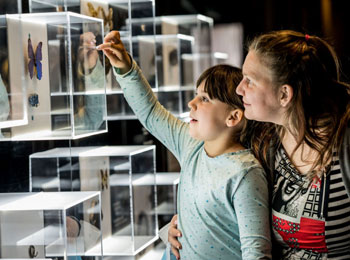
329, 19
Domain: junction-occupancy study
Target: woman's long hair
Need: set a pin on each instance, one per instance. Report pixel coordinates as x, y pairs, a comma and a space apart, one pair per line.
320, 107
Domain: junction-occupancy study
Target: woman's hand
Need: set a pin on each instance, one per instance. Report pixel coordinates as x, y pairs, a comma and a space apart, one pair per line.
115, 51
173, 234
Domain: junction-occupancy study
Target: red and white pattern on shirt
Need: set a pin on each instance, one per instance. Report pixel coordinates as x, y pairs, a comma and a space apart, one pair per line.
308, 234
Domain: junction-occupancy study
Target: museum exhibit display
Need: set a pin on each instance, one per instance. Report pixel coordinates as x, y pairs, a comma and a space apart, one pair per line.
175, 74
64, 75
50, 225
125, 176
82, 169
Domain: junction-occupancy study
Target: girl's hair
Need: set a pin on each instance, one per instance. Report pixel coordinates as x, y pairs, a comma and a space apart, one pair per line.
320, 107
221, 82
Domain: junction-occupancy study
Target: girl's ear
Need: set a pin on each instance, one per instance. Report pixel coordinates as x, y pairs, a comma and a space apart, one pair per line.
234, 118
286, 95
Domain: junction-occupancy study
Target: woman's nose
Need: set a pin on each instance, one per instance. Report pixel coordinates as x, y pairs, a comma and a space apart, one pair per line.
239, 89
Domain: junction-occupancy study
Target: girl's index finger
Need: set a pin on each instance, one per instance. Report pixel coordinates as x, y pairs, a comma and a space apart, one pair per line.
112, 36
104, 46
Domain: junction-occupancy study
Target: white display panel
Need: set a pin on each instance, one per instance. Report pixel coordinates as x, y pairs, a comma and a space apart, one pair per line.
66, 92
125, 176
49, 225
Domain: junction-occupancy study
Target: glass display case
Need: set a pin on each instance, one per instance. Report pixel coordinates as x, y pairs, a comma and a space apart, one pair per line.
175, 72
120, 15
13, 109
51, 225
125, 176
196, 25
167, 184
64, 75
175, 78
116, 15
220, 58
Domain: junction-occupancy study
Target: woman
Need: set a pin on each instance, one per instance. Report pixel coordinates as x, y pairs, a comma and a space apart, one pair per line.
292, 82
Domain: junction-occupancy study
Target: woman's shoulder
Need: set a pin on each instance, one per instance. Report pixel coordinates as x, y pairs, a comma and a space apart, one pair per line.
246, 160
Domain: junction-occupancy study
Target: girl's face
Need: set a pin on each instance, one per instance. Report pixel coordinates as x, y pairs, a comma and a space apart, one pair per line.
261, 100
208, 116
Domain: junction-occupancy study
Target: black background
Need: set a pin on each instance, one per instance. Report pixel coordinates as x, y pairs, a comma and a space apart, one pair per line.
258, 16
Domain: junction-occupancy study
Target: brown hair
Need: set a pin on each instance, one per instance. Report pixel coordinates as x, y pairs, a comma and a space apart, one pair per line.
320, 106
221, 82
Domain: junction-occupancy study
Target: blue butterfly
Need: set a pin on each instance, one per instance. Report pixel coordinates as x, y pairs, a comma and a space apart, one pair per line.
35, 59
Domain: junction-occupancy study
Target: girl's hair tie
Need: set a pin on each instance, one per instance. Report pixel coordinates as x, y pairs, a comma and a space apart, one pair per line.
307, 37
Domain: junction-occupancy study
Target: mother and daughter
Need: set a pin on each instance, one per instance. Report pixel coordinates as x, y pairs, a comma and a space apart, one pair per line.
296, 123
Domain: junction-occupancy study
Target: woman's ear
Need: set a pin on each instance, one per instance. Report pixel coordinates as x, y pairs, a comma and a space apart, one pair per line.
286, 95
234, 118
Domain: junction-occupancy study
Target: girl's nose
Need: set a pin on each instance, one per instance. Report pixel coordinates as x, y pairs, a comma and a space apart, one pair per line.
192, 103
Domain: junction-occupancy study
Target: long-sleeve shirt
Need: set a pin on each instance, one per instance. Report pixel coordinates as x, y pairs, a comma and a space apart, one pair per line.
223, 207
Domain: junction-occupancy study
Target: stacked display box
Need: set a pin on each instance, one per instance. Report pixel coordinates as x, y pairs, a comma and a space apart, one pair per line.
116, 15
198, 26
64, 75
174, 74
125, 176
50, 225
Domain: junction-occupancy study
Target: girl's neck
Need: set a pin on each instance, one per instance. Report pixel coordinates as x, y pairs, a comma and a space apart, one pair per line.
216, 148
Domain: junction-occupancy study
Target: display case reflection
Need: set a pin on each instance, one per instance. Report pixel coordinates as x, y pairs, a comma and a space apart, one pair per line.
125, 176
12, 86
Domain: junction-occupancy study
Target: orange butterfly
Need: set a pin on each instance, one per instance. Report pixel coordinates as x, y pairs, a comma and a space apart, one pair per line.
107, 19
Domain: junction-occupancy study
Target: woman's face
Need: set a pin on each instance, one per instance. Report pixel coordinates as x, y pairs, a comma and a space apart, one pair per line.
261, 100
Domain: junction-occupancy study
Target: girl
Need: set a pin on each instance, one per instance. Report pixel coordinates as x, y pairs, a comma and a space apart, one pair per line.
223, 205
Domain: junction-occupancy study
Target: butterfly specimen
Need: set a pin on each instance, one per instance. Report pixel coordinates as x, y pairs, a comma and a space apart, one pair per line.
104, 179
107, 19
34, 64
93, 12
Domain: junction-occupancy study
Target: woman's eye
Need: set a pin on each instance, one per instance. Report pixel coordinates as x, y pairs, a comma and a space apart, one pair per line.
247, 81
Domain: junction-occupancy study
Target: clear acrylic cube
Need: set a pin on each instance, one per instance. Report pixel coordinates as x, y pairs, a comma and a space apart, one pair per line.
64, 75
125, 176
50, 225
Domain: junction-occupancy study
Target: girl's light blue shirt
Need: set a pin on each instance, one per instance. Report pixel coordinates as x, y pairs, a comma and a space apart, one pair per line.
223, 208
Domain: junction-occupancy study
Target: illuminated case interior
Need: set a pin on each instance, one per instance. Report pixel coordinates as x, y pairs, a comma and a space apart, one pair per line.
125, 176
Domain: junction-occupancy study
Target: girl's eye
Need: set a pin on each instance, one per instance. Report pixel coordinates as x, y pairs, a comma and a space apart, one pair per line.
204, 99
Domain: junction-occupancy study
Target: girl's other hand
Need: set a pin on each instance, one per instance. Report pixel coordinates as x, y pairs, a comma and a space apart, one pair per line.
173, 234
